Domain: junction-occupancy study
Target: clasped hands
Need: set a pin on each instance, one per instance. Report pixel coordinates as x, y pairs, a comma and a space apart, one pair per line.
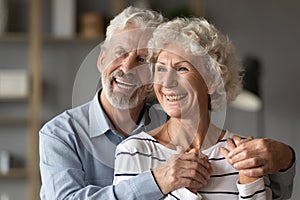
253, 158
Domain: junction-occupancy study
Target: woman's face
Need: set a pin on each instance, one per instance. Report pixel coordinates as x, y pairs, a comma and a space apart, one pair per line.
179, 87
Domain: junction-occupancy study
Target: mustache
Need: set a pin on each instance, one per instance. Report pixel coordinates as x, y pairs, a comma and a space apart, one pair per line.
132, 77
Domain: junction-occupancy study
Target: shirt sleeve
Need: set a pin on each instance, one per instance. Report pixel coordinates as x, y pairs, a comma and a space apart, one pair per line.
257, 190
183, 193
63, 178
282, 183
133, 169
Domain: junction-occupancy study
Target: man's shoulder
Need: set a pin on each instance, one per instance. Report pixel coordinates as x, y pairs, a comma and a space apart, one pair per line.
67, 120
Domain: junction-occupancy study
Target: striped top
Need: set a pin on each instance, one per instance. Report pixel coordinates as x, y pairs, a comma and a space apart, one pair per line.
142, 152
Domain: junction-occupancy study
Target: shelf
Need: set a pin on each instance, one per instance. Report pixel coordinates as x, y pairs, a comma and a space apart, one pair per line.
11, 120
15, 173
14, 37
13, 99
76, 38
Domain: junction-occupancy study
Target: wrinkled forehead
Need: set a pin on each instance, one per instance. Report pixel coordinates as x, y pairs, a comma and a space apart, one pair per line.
131, 38
176, 49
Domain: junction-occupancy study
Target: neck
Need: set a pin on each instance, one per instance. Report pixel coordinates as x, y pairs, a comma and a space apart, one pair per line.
123, 120
184, 132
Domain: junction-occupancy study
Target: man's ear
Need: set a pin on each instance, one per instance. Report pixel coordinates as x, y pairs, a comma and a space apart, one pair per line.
100, 62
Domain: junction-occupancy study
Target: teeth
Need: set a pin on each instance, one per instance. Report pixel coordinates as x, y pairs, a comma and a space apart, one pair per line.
175, 97
124, 85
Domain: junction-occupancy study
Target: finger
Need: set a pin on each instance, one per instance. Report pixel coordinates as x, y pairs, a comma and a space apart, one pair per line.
245, 150
193, 169
249, 163
254, 172
237, 150
197, 152
237, 139
224, 151
199, 175
179, 149
195, 158
193, 150
192, 184
231, 144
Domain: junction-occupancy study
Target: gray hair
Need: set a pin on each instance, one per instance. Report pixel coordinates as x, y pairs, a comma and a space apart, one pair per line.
132, 16
220, 70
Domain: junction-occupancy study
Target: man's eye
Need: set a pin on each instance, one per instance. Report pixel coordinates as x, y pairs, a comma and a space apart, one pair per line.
120, 52
142, 59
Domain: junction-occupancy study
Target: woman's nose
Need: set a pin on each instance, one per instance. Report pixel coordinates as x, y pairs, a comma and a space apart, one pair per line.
170, 79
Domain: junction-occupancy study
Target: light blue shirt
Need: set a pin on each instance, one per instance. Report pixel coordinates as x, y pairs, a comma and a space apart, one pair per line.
77, 151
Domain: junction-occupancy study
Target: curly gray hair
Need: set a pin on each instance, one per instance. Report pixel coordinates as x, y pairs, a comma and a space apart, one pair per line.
220, 70
132, 16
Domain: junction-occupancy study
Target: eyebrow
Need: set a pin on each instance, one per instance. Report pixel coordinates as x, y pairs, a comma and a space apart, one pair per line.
183, 61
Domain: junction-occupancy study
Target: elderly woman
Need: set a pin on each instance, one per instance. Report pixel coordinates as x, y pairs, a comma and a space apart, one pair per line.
195, 73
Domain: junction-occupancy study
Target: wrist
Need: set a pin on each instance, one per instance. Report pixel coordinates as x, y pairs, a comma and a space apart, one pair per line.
155, 176
291, 161
243, 179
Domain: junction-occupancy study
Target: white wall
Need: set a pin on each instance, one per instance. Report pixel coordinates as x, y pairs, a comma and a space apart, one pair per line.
270, 30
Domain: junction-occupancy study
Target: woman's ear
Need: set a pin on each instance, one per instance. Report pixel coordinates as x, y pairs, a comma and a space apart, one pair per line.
100, 62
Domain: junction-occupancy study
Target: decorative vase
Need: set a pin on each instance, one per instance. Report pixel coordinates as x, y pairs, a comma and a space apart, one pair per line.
91, 25
3, 16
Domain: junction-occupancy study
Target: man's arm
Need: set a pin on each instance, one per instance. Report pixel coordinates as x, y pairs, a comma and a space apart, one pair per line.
63, 176
257, 157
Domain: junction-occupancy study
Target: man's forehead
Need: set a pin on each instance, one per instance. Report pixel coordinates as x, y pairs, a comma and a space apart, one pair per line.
133, 38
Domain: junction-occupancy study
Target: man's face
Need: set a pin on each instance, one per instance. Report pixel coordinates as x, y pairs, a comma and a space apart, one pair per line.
125, 73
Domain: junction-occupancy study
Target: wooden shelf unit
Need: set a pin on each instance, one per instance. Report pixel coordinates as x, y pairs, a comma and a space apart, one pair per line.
14, 37
15, 173
31, 122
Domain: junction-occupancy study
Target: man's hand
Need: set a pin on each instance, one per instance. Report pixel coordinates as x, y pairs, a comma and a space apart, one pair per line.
231, 146
258, 157
183, 170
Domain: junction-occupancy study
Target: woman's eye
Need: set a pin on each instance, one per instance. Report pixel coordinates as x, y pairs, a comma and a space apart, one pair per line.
160, 69
182, 68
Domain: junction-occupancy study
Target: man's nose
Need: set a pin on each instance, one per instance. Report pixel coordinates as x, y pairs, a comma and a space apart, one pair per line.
129, 62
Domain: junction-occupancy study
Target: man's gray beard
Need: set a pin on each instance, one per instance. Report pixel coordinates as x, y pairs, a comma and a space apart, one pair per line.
122, 101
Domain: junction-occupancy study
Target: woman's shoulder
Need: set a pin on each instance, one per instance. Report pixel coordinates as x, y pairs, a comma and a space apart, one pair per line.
140, 141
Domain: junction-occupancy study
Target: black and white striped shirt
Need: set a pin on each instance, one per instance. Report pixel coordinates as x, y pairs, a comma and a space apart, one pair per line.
142, 152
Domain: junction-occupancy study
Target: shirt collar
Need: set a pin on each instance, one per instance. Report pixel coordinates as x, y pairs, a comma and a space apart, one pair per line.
100, 123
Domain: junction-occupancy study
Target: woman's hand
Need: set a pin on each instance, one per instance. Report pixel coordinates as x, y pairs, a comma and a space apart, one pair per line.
188, 170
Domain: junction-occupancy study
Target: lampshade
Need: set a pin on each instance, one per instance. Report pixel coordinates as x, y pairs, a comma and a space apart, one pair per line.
250, 98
